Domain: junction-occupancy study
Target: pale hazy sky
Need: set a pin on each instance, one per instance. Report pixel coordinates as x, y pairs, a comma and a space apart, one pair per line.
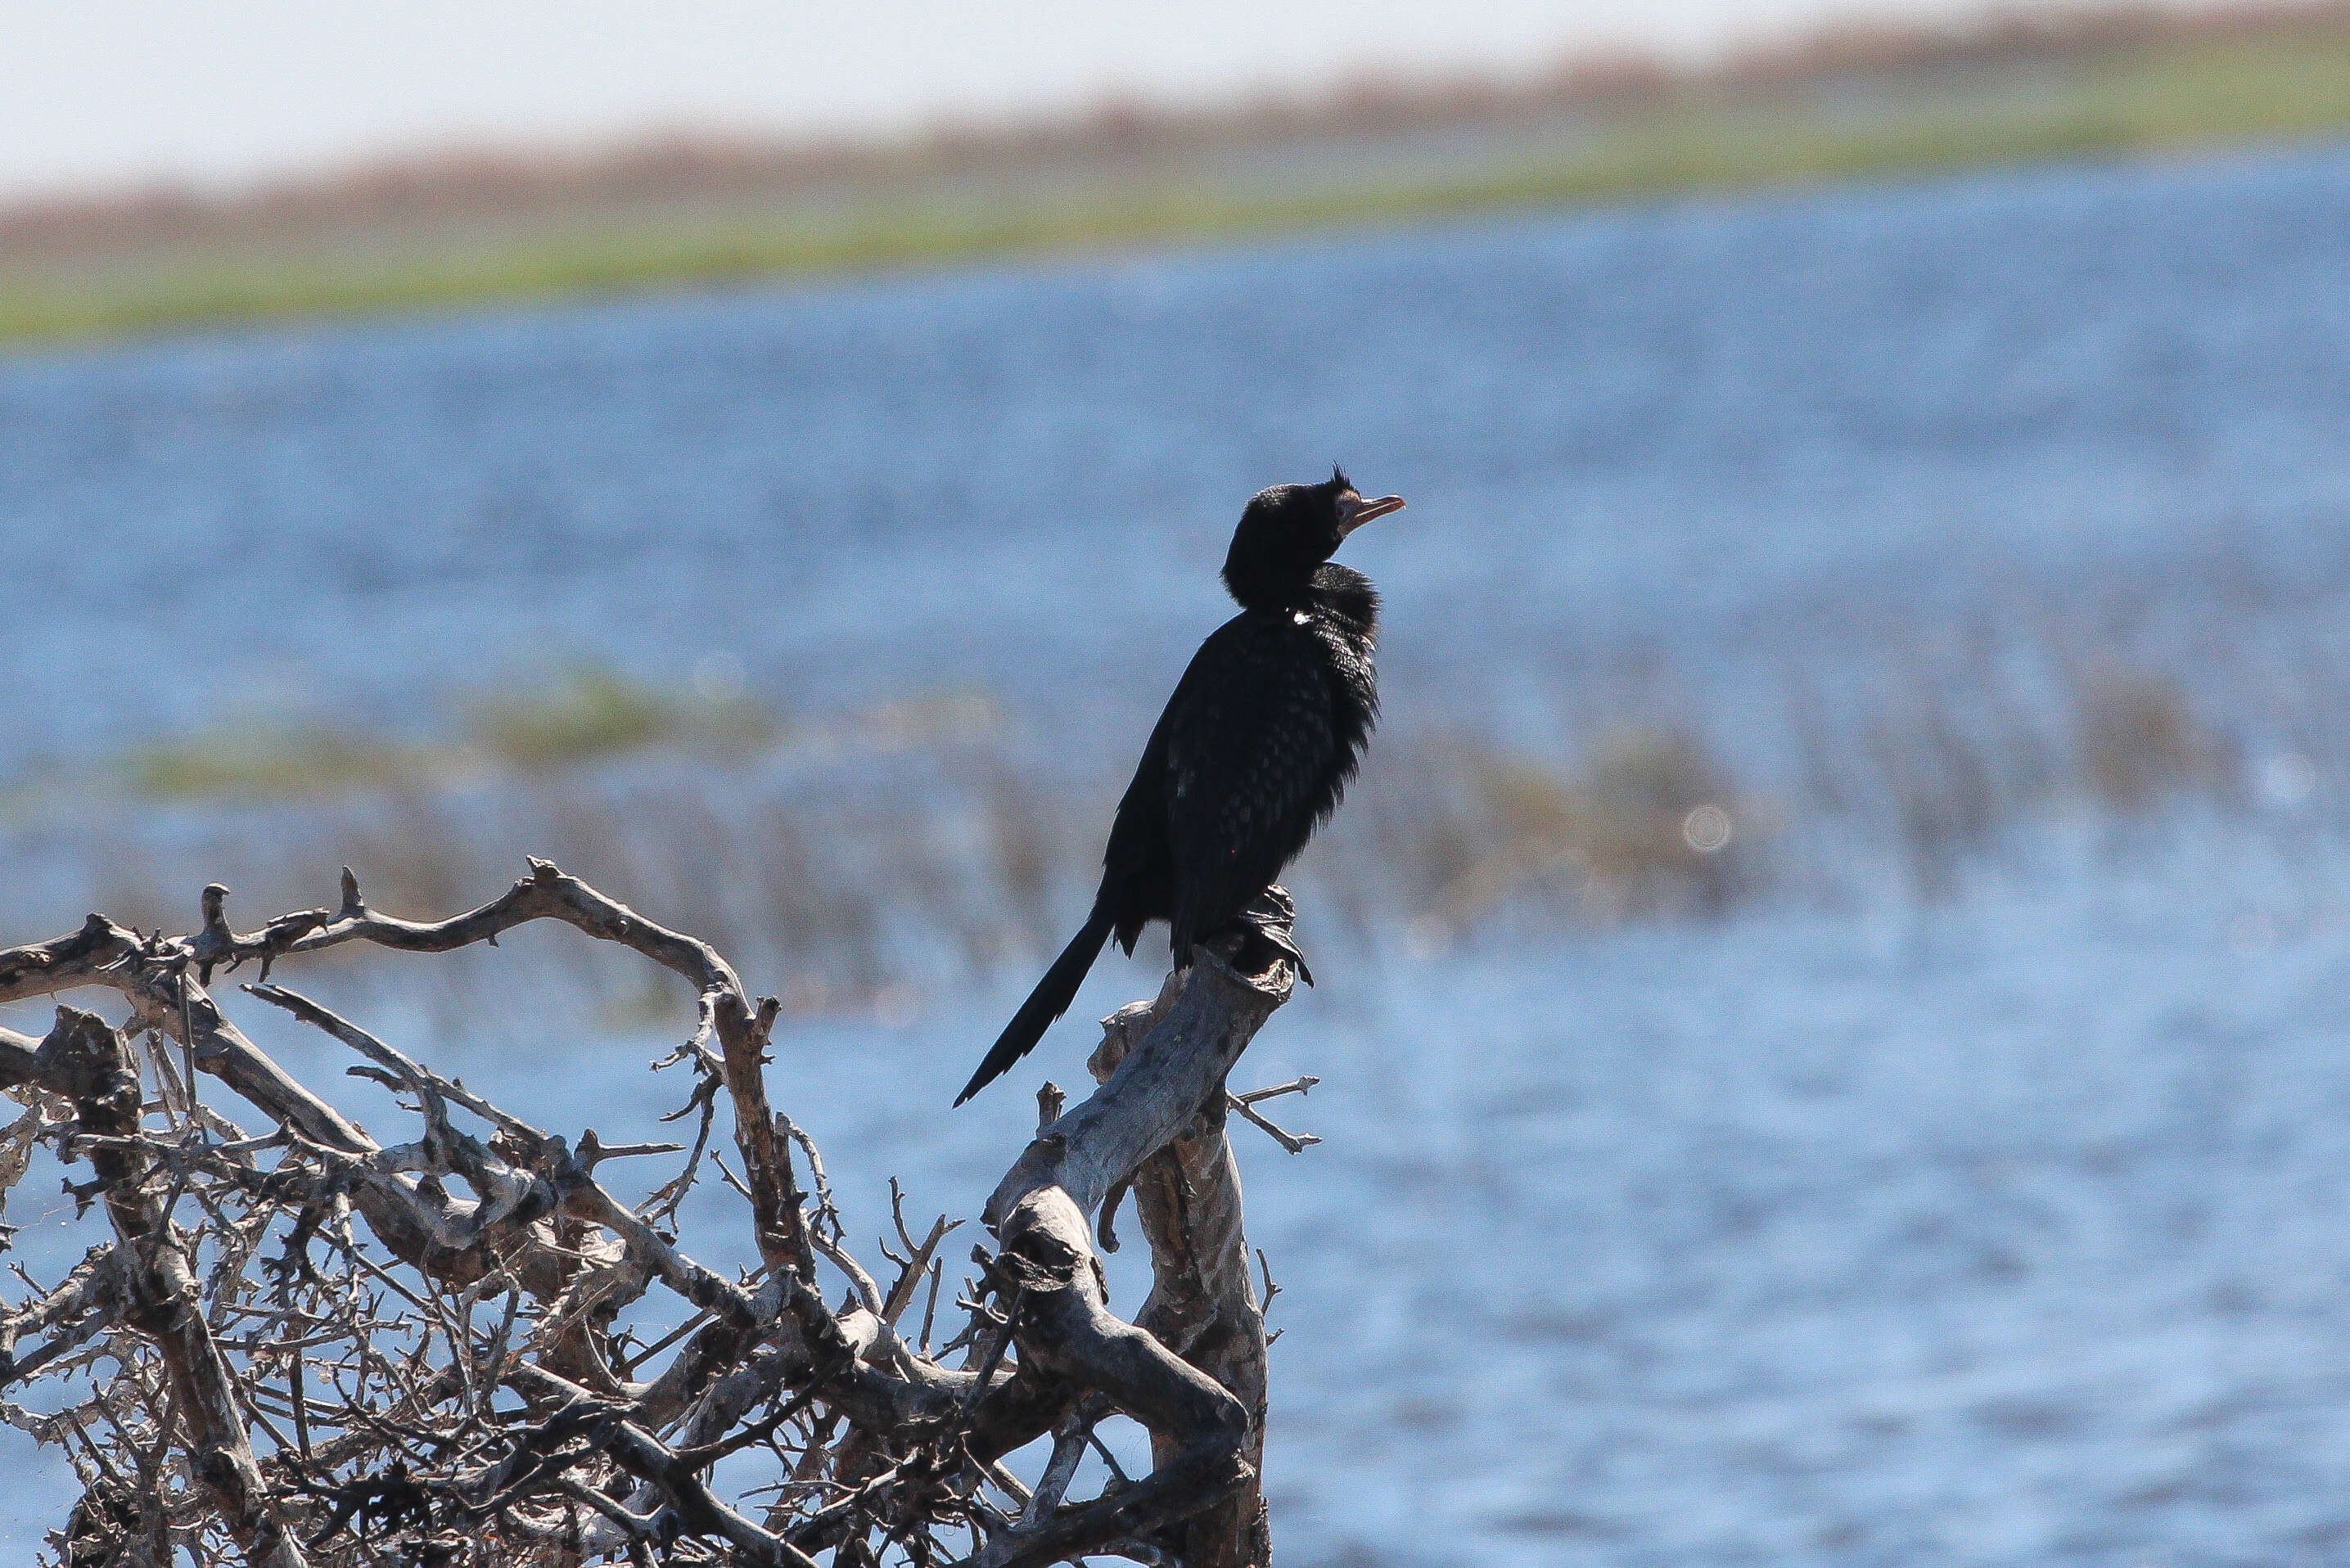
110, 92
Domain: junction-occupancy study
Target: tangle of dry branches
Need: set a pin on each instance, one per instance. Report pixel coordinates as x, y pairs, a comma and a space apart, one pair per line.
299, 1344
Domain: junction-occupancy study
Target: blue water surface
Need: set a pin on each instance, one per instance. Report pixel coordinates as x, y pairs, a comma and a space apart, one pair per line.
1721, 427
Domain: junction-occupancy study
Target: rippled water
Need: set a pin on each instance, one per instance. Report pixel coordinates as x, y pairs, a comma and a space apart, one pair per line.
1718, 426
2005, 1232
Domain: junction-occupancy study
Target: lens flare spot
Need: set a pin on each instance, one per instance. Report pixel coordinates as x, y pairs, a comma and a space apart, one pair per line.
1706, 829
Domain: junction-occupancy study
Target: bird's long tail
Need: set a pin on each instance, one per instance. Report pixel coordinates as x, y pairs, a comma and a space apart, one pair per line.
1048, 1001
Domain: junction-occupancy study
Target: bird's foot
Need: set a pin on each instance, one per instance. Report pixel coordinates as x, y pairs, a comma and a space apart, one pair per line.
1281, 942
1264, 929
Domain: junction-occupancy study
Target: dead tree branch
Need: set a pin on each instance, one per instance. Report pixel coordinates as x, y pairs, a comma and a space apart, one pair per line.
304, 1344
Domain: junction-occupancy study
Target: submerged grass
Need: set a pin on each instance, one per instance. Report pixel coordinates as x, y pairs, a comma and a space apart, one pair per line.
870, 855
2159, 96
595, 714
274, 761
590, 715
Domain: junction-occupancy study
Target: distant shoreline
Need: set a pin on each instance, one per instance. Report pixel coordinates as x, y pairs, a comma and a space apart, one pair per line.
1847, 106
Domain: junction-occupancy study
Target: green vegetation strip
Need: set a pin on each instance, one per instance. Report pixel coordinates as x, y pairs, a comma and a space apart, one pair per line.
2145, 102
592, 716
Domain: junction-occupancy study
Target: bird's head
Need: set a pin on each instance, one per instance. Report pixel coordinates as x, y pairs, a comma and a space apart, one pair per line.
1290, 530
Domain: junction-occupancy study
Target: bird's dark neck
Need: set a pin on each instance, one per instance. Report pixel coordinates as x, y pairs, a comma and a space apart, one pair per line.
1339, 593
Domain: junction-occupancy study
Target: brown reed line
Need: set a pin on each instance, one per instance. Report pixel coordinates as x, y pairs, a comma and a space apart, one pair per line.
950, 858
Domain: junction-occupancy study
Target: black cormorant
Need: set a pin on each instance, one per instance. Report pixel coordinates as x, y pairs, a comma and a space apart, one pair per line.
1255, 746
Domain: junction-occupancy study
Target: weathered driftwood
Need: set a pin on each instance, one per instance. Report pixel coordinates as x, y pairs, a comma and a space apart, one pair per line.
468, 1389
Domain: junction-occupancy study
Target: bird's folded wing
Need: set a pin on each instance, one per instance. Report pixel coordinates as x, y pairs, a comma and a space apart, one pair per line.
1252, 764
